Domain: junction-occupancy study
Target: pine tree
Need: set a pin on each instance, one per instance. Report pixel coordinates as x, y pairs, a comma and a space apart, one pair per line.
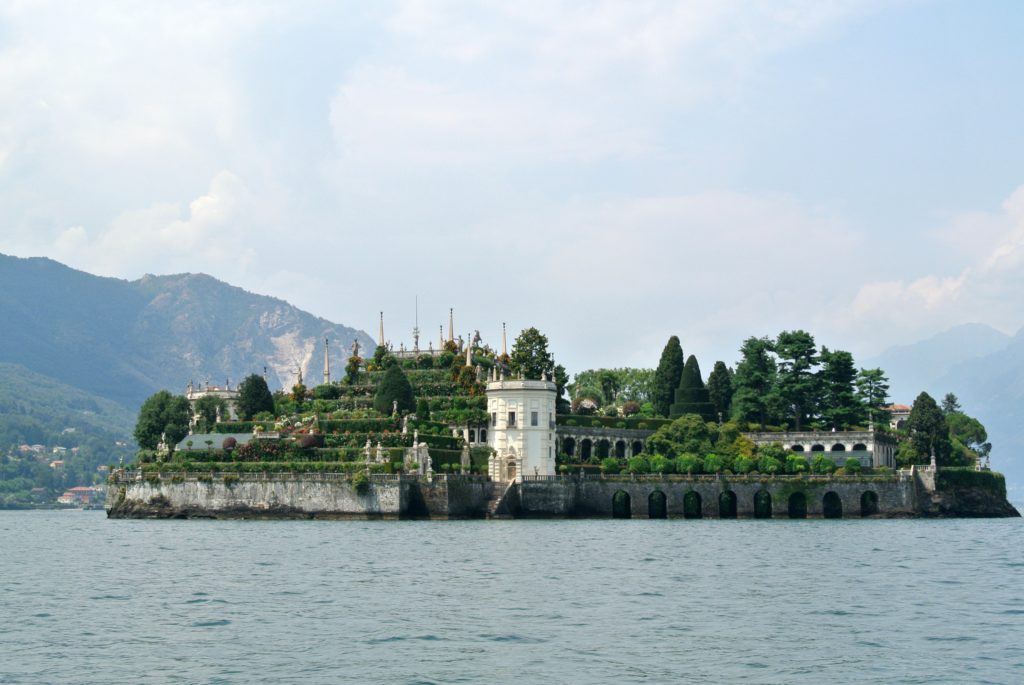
691, 395
754, 382
667, 376
720, 389
394, 387
839, 407
798, 385
873, 392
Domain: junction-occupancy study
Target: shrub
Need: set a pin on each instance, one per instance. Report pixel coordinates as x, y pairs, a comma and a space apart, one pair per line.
610, 465
769, 465
743, 464
229, 444
630, 407
795, 464
638, 464
822, 464
713, 463
361, 482
852, 466
394, 387
689, 463
661, 464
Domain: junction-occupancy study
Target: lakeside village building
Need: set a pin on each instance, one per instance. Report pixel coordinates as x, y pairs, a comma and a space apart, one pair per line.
525, 437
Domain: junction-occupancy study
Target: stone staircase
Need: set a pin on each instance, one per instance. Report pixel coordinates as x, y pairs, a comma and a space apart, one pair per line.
494, 502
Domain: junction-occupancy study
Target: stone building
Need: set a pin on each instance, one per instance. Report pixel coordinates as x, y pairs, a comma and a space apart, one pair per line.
872, 448
226, 393
522, 428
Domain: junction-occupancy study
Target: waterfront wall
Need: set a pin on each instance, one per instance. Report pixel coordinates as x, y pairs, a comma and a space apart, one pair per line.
334, 496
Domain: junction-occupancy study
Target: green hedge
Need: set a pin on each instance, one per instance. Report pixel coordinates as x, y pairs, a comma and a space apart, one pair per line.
630, 423
967, 477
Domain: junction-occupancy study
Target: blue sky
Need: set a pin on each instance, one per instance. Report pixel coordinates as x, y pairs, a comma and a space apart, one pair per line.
612, 173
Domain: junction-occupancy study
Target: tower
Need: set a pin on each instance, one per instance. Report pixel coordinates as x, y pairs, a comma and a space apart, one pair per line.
521, 428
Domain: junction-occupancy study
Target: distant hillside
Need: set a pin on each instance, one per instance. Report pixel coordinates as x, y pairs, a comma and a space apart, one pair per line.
916, 367
123, 340
985, 370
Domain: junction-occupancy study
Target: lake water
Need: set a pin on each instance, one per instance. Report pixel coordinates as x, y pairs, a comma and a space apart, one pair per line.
87, 600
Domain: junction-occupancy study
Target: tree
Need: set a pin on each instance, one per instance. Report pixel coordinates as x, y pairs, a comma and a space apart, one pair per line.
352, 369
208, 409
969, 437
950, 404
873, 391
839, 408
691, 395
253, 397
754, 381
929, 433
667, 376
163, 414
688, 433
530, 356
720, 388
394, 387
798, 385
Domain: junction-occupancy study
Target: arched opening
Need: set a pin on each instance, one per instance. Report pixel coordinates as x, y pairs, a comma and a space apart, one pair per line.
727, 505
762, 505
657, 507
638, 447
839, 447
832, 506
586, 449
569, 446
692, 505
603, 448
472, 434
510, 470
621, 508
483, 435
868, 504
620, 449
817, 448
798, 505
860, 447
797, 448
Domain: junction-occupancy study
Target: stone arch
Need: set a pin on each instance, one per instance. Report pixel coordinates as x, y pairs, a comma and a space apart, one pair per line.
838, 447
569, 446
621, 506
797, 505
604, 448
796, 448
692, 505
727, 505
762, 504
831, 506
620, 449
638, 447
868, 503
817, 448
860, 447
657, 505
586, 449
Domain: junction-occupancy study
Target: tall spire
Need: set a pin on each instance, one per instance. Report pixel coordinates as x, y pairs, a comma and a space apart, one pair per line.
469, 350
440, 337
416, 328
451, 324
327, 362
504, 345
380, 336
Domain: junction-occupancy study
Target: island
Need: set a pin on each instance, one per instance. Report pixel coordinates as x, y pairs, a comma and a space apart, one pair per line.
465, 431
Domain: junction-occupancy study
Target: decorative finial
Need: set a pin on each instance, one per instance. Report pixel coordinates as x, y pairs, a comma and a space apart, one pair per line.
451, 324
380, 336
469, 353
504, 345
327, 362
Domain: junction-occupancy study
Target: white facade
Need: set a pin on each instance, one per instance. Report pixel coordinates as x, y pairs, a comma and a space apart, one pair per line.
521, 429
229, 395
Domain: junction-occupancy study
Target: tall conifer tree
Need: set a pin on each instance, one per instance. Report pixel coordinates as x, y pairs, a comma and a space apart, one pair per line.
720, 388
691, 395
667, 376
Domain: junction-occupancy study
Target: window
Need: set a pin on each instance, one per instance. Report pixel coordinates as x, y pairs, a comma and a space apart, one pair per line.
511, 419
494, 419
533, 418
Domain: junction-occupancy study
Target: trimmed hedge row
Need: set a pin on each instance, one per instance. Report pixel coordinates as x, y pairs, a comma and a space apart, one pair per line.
630, 423
949, 478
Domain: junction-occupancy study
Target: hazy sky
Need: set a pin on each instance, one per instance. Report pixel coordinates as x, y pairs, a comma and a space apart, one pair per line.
611, 173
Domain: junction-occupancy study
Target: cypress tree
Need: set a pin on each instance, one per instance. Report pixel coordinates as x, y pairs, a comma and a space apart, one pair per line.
254, 397
667, 376
394, 387
691, 395
720, 389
